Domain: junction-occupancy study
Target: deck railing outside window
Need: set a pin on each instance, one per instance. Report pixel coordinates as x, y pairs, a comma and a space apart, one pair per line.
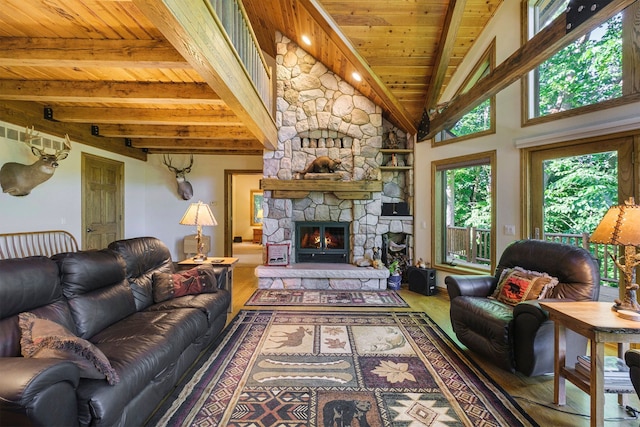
472, 245
233, 18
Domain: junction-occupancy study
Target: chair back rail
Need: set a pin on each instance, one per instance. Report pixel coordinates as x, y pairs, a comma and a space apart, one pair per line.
32, 243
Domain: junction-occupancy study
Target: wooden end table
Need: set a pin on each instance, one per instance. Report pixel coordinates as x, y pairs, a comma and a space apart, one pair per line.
597, 322
215, 261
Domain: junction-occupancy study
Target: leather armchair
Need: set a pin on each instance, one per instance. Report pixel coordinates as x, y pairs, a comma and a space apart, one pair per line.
520, 338
632, 358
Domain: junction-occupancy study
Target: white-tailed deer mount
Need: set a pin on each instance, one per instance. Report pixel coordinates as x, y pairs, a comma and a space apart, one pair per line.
18, 180
185, 190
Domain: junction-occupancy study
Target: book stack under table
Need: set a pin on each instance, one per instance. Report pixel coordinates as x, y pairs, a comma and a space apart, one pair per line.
616, 374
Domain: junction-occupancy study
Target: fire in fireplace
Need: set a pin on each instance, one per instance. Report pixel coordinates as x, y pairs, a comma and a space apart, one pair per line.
320, 241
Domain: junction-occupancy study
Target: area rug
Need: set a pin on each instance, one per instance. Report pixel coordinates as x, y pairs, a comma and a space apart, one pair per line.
311, 297
295, 369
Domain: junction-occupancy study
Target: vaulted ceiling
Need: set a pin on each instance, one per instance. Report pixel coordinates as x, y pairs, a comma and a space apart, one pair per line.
145, 76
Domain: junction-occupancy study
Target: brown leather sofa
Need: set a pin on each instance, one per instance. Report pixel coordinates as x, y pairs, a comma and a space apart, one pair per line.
108, 298
520, 337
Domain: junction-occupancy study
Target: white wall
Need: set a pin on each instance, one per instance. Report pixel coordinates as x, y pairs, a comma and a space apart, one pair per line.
508, 132
152, 205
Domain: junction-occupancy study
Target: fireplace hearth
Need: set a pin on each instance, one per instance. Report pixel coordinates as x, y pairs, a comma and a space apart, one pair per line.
322, 241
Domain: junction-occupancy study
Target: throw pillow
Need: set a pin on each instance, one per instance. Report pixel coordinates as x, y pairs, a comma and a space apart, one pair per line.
517, 285
195, 281
42, 338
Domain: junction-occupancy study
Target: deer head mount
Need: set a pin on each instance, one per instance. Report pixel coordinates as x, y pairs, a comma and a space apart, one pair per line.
185, 190
18, 180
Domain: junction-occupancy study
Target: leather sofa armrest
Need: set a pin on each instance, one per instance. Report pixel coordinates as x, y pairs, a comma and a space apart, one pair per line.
632, 358
38, 391
221, 275
474, 285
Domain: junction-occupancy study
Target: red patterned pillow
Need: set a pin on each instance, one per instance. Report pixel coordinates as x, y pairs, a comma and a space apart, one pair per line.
198, 280
517, 285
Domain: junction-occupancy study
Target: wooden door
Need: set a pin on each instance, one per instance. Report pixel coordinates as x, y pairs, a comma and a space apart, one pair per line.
102, 201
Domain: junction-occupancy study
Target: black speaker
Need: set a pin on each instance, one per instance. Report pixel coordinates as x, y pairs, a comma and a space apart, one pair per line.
422, 280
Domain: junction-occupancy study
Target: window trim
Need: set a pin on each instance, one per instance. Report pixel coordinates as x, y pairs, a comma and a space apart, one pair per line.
489, 56
527, 86
437, 237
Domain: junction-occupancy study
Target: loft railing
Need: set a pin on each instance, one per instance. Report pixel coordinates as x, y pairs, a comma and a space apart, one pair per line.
232, 16
473, 245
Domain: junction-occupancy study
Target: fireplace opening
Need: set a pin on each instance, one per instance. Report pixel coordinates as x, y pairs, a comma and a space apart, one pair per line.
319, 241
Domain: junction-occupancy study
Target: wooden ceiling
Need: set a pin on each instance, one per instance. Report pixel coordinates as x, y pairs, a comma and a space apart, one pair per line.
112, 72
138, 76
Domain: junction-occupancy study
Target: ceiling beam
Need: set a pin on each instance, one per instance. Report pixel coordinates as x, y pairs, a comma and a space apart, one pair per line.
447, 42
108, 92
45, 52
193, 30
30, 114
541, 47
397, 113
177, 143
164, 131
147, 116
224, 152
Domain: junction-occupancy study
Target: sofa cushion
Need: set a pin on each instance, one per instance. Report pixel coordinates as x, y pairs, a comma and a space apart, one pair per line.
144, 348
42, 338
143, 256
95, 286
517, 285
198, 280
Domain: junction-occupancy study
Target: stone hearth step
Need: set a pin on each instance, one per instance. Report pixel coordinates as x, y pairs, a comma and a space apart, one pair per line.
321, 276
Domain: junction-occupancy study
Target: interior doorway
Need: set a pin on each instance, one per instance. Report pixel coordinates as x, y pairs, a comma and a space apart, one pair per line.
243, 216
102, 201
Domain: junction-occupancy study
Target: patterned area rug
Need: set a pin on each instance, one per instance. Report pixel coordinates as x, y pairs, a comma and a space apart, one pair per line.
342, 298
295, 369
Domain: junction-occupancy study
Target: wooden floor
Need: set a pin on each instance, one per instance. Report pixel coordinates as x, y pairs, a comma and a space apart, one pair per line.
535, 395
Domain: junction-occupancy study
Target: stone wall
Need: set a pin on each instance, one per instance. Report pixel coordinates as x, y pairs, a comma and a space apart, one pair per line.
319, 114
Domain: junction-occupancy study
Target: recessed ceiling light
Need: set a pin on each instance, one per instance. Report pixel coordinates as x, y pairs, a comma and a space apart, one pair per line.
306, 40
356, 76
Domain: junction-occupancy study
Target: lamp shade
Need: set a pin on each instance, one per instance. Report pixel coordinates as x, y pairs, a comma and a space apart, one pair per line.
198, 214
620, 226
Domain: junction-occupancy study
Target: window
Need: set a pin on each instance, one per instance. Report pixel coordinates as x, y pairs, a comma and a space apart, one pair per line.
464, 212
481, 120
570, 187
587, 72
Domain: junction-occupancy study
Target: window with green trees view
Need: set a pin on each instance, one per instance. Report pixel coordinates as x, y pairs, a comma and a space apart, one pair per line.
586, 72
480, 120
464, 210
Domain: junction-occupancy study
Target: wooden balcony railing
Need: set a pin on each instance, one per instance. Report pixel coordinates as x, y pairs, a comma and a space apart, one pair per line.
232, 16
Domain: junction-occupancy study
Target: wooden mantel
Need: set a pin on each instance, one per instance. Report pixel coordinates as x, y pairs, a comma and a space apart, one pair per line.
300, 188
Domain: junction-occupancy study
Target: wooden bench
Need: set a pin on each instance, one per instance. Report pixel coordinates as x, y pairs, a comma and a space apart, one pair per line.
31, 243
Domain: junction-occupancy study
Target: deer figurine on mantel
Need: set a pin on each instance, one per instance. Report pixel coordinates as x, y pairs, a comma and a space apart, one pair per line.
17, 179
185, 190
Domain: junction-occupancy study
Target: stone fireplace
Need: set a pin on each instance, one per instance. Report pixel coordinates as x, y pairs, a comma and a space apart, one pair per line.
319, 114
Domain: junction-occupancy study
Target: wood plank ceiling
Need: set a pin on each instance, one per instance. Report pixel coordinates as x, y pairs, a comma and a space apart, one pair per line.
112, 75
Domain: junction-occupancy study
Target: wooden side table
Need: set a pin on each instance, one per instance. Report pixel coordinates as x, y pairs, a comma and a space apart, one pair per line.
215, 261
599, 324
257, 235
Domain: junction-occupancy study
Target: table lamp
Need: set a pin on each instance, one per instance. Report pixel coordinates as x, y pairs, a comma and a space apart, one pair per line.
621, 226
199, 214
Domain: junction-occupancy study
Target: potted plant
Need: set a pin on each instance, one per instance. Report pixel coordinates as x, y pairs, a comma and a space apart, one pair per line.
395, 275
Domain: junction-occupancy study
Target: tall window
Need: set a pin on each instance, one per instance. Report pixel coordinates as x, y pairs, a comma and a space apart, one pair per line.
464, 212
587, 72
572, 185
481, 120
